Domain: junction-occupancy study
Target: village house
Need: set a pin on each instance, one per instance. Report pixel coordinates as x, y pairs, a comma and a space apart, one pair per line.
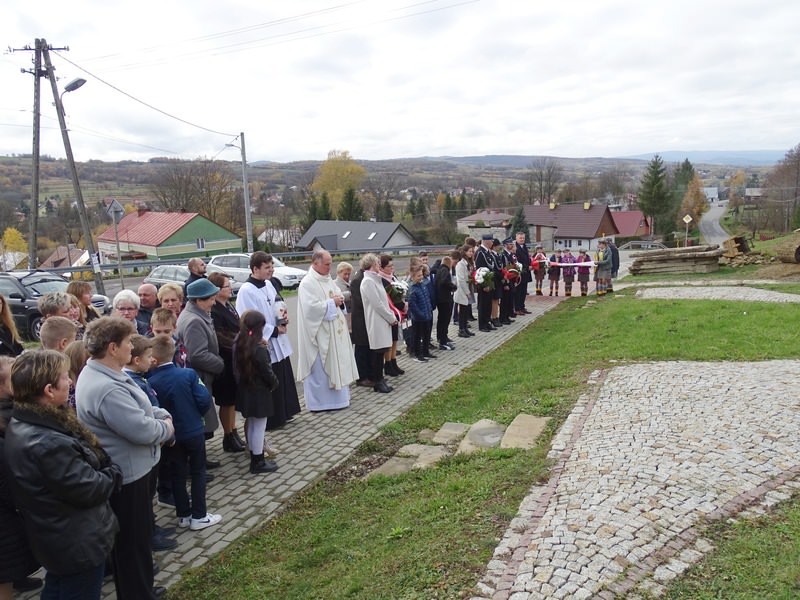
574, 226
145, 234
361, 236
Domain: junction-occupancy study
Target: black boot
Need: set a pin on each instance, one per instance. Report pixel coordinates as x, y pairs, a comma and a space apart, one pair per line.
239, 440
382, 387
231, 444
463, 333
396, 367
388, 368
258, 464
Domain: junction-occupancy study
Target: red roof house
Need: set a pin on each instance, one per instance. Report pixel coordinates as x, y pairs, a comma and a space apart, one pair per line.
154, 235
631, 223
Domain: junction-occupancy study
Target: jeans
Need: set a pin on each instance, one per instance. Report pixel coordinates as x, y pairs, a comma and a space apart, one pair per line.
188, 458
85, 585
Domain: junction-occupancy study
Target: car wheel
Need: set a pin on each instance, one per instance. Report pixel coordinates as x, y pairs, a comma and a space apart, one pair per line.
35, 328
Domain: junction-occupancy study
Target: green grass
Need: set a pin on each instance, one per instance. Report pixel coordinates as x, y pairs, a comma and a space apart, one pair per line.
754, 560
429, 534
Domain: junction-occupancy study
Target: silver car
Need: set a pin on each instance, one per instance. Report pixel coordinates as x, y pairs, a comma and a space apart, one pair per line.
238, 267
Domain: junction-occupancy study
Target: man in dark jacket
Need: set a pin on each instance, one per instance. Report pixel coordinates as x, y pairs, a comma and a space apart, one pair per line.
614, 264
524, 258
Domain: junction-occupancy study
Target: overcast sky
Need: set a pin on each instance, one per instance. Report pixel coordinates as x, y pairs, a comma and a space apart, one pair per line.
405, 78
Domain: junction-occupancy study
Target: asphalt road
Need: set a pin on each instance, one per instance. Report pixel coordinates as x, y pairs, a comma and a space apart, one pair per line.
710, 227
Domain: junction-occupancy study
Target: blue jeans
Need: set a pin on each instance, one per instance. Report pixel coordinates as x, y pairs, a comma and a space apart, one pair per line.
85, 585
188, 458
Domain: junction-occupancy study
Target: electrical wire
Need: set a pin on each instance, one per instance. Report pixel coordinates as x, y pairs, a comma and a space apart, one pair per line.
142, 102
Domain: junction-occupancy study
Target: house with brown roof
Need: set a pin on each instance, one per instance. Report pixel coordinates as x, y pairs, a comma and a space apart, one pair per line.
65, 256
631, 223
488, 220
152, 235
574, 226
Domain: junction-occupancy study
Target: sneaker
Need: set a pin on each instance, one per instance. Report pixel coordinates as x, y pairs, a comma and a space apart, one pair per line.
184, 522
206, 521
270, 451
166, 501
420, 359
446, 347
429, 356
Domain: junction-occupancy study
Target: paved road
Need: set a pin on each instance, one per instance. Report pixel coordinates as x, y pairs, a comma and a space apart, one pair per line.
710, 228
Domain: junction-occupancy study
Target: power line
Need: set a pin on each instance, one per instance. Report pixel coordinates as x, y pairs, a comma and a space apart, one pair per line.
142, 102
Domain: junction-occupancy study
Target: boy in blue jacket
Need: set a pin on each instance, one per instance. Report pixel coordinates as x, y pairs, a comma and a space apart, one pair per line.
421, 313
181, 392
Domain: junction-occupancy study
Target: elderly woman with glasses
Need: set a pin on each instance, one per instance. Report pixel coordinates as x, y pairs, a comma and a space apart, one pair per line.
126, 305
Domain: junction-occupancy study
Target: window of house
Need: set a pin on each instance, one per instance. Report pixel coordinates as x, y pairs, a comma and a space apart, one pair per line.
200, 243
372, 235
346, 233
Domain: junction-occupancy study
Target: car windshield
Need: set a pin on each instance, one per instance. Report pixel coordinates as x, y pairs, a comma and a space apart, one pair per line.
277, 262
45, 286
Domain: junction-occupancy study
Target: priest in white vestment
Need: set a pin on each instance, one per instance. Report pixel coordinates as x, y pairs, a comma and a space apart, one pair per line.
326, 364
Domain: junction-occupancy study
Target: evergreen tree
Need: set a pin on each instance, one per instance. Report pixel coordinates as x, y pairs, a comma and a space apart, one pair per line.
384, 212
324, 212
311, 214
478, 203
654, 197
350, 208
449, 209
461, 205
411, 207
519, 223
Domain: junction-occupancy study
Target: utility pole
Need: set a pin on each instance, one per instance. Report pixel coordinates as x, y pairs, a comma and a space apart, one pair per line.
87, 232
33, 216
248, 216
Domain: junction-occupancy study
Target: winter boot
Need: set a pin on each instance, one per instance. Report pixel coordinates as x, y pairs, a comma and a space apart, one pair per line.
258, 464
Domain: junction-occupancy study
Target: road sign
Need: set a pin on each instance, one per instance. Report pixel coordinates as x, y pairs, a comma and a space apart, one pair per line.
687, 219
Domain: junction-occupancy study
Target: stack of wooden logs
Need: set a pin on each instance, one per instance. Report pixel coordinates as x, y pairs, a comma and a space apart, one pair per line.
694, 259
788, 251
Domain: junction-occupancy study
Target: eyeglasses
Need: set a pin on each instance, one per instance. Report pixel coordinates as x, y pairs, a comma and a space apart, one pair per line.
126, 308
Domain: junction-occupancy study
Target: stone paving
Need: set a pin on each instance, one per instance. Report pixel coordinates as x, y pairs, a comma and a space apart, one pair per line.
647, 457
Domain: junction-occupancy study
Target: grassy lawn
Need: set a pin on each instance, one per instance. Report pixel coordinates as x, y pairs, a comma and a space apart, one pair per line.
429, 534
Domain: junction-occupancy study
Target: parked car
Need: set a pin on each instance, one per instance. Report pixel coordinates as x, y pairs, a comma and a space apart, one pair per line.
22, 289
238, 267
179, 273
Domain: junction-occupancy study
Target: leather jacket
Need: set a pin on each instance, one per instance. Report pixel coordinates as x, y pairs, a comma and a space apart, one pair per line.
61, 484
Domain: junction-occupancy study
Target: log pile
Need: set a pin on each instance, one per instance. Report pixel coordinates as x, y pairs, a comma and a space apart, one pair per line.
694, 259
751, 258
788, 251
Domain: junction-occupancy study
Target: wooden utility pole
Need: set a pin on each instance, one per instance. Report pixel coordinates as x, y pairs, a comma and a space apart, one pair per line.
33, 216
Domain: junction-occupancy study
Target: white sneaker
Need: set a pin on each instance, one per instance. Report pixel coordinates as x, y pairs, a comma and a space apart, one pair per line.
184, 522
270, 450
206, 521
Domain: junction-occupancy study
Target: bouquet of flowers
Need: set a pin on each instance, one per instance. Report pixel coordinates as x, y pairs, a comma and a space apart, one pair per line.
483, 278
398, 292
511, 273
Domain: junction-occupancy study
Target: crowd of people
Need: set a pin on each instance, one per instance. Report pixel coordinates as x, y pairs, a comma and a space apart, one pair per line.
113, 413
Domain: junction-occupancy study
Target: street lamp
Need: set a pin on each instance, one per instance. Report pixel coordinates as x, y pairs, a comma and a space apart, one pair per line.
87, 232
248, 217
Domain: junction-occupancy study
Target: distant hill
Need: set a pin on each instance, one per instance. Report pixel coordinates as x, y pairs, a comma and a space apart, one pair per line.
734, 158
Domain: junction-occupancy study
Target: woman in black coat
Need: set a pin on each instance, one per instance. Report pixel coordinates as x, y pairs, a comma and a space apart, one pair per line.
61, 479
226, 326
16, 559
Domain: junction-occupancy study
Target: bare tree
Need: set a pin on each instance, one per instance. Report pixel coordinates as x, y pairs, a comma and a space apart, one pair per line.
546, 174
174, 186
